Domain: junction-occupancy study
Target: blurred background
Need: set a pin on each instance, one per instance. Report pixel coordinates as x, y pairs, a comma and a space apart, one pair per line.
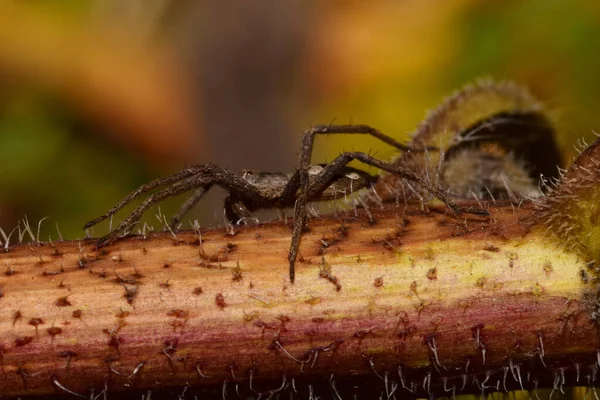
98, 97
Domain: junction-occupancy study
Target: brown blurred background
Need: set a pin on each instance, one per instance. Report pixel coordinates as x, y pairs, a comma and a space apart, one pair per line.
100, 96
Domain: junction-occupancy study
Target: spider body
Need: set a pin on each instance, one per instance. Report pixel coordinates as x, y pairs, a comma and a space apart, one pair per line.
249, 191
253, 190
280, 191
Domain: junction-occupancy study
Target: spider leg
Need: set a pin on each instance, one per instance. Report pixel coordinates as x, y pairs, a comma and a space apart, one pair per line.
299, 221
136, 214
203, 178
309, 136
322, 181
308, 141
288, 195
186, 173
300, 179
188, 205
234, 207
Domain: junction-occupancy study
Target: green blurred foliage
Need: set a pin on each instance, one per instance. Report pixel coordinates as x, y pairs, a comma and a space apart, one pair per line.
58, 159
53, 166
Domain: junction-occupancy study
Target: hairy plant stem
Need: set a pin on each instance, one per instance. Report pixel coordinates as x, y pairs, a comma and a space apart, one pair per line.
423, 301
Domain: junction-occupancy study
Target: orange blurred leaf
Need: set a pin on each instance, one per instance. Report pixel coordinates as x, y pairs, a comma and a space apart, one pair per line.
138, 91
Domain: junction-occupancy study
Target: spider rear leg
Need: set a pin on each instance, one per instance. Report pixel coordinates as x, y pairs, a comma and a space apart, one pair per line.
343, 159
309, 138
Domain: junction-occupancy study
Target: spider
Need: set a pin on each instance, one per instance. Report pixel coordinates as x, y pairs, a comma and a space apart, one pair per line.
251, 190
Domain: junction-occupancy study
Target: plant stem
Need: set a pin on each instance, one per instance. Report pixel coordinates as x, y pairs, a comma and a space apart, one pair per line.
427, 301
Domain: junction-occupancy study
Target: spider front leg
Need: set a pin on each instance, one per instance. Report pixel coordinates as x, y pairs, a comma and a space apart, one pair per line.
136, 214
169, 180
204, 177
